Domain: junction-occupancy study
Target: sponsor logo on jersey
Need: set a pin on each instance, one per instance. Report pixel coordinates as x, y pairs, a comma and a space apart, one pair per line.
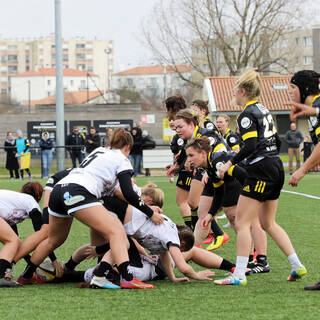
73, 200
209, 126
233, 139
212, 141
180, 142
50, 180
245, 123
246, 188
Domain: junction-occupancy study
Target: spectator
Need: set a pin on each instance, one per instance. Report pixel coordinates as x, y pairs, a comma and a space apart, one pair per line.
136, 151
46, 145
147, 143
293, 138
75, 145
92, 140
12, 162
23, 153
107, 138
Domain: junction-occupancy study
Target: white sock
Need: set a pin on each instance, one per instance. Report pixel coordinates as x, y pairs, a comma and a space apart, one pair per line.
294, 261
241, 266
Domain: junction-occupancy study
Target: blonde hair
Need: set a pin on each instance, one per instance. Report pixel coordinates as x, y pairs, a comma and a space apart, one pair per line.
188, 116
225, 117
250, 81
157, 195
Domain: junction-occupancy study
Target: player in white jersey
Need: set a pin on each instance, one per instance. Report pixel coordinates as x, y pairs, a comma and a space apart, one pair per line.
77, 196
15, 207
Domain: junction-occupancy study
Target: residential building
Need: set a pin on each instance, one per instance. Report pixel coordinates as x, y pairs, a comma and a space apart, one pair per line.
36, 85
153, 81
23, 55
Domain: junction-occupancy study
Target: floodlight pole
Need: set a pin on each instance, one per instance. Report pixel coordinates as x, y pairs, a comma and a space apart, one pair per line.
60, 134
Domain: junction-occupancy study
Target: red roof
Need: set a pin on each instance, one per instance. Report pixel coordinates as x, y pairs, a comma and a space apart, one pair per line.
75, 97
154, 70
274, 92
52, 72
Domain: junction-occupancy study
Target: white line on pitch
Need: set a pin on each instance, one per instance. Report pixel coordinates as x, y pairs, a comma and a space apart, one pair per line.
301, 194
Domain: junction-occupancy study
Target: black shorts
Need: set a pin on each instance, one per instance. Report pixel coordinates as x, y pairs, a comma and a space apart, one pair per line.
66, 199
232, 191
184, 180
265, 180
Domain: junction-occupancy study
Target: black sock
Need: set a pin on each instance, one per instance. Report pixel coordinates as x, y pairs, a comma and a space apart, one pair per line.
187, 221
4, 265
71, 264
124, 272
103, 268
29, 270
21, 173
250, 258
216, 229
27, 258
226, 265
262, 259
194, 218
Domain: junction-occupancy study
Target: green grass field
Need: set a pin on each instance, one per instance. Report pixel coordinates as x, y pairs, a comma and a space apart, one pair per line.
267, 296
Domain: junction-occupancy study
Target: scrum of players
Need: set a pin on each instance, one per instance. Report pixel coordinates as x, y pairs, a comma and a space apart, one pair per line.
131, 237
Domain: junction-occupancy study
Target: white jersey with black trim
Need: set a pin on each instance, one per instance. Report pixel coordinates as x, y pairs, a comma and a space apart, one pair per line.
153, 237
15, 206
98, 172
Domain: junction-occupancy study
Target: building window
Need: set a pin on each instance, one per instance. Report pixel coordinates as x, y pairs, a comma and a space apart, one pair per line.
3, 91
65, 46
80, 46
197, 50
83, 84
3, 69
130, 83
49, 82
12, 48
297, 41
12, 69
89, 46
89, 56
307, 60
49, 93
80, 56
297, 60
12, 58
307, 41
4, 79
40, 46
81, 67
89, 68
65, 57
27, 68
284, 43
3, 59
71, 83
206, 68
3, 48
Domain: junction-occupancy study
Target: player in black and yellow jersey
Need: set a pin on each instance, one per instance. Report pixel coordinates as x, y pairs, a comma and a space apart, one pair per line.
304, 92
187, 127
264, 181
233, 141
226, 193
201, 107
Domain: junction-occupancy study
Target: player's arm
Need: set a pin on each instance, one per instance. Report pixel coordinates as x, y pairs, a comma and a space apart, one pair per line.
185, 268
131, 196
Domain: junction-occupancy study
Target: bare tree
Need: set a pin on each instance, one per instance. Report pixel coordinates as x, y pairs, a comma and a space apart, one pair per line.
219, 36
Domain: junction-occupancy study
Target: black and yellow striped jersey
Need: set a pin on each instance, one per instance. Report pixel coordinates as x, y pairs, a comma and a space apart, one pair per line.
256, 121
232, 139
314, 122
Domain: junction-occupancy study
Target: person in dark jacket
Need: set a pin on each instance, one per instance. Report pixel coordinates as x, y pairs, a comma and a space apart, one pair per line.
136, 151
46, 145
12, 162
147, 143
92, 140
293, 138
75, 143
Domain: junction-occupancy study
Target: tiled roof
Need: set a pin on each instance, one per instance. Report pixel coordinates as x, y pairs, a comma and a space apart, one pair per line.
274, 92
154, 70
52, 72
75, 97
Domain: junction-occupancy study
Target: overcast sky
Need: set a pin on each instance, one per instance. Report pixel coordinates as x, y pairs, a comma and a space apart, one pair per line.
118, 20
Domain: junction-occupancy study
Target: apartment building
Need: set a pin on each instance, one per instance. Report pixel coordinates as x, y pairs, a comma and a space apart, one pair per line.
299, 48
23, 55
153, 81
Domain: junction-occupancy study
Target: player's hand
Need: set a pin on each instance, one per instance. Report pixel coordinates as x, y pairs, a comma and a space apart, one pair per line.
157, 218
90, 252
300, 110
223, 169
184, 279
205, 178
205, 275
171, 168
206, 221
58, 268
154, 258
187, 165
296, 177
